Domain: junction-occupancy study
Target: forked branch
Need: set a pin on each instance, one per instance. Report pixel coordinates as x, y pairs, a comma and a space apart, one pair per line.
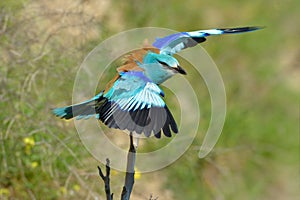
106, 180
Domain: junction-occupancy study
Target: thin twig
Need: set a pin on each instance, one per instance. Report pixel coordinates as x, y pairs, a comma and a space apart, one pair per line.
129, 178
106, 180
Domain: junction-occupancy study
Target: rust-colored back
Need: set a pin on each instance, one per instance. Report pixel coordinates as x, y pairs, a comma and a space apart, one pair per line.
130, 63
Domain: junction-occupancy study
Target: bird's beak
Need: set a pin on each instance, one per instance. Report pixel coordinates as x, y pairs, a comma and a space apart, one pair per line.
180, 70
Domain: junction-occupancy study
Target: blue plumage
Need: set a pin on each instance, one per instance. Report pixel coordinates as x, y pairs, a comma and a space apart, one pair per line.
133, 100
174, 43
134, 90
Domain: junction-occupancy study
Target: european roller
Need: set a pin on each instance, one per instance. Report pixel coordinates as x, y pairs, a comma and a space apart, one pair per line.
133, 100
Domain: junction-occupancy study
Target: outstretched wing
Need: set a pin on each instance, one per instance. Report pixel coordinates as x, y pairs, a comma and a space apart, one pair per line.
176, 42
135, 103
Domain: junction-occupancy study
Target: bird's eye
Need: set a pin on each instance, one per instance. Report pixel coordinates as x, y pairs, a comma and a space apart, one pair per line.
163, 63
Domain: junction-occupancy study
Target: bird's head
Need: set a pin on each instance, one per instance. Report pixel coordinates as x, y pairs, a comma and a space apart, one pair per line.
169, 63
160, 67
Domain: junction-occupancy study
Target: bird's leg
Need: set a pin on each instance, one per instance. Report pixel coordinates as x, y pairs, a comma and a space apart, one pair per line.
129, 178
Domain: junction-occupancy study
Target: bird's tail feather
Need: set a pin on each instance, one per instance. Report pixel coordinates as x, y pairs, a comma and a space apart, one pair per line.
82, 110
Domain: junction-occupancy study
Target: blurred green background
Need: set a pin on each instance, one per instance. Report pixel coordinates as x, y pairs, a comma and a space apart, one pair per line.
42, 46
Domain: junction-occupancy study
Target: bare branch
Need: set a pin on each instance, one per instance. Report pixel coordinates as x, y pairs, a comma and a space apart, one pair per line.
129, 178
106, 180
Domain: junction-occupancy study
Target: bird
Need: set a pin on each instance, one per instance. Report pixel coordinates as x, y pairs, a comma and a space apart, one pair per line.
133, 100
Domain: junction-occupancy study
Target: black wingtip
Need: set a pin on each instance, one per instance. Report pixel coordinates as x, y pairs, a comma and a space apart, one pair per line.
254, 28
241, 29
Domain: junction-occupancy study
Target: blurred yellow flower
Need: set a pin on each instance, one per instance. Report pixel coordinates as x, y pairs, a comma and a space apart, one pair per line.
76, 187
34, 164
63, 190
29, 141
137, 174
4, 192
114, 172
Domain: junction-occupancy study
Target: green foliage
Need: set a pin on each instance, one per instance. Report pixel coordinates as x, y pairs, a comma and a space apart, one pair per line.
12, 4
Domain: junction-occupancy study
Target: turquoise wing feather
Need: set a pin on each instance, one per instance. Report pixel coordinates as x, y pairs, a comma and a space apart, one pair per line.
135, 103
